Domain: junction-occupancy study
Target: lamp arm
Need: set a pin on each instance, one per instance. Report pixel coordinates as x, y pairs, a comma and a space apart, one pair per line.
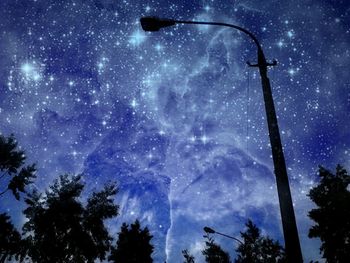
251, 35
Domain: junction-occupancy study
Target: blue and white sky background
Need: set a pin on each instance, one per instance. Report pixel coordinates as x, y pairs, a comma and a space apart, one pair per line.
176, 117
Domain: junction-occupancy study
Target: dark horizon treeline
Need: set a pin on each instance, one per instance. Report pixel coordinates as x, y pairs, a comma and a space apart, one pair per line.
60, 228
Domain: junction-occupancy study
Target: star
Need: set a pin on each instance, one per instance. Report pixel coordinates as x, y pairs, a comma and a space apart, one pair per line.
137, 38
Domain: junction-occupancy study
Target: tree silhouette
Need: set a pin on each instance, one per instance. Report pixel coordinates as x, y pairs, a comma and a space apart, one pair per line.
12, 167
187, 256
10, 239
60, 229
332, 215
256, 248
213, 253
133, 245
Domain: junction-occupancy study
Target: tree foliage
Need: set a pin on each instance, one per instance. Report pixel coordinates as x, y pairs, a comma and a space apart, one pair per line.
213, 252
61, 229
12, 167
187, 256
332, 215
10, 239
256, 248
133, 245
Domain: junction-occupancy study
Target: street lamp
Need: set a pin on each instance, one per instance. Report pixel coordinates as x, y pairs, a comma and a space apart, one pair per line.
209, 230
290, 231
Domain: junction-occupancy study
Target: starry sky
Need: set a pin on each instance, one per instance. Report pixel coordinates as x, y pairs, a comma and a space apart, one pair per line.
176, 117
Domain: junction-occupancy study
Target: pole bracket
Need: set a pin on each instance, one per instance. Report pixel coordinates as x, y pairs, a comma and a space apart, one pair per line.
274, 63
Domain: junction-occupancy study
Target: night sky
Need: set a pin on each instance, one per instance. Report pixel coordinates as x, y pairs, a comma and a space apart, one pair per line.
176, 117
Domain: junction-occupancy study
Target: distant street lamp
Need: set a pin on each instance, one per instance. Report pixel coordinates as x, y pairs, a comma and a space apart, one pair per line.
290, 231
212, 231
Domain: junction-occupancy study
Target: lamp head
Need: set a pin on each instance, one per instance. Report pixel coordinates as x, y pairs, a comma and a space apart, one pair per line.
209, 230
151, 23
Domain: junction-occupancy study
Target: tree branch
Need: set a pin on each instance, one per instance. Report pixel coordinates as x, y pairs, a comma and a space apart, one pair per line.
3, 192
1, 176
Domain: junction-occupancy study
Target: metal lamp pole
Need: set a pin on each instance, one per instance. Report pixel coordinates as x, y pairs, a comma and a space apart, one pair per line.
290, 231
